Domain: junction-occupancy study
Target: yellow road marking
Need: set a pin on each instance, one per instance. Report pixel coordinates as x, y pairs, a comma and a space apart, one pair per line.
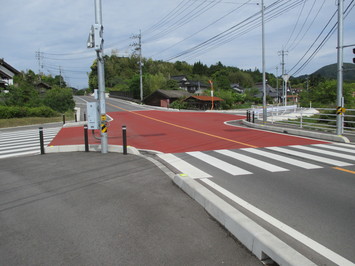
186, 128
344, 170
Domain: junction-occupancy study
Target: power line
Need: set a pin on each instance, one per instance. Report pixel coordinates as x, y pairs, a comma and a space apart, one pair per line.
298, 18
323, 42
295, 44
209, 25
272, 11
193, 14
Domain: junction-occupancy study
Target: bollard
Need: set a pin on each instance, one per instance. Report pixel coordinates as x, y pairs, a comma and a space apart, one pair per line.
253, 117
124, 140
84, 117
41, 140
86, 139
76, 117
248, 116
63, 119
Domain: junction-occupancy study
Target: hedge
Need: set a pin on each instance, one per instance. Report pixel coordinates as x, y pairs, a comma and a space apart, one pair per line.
19, 111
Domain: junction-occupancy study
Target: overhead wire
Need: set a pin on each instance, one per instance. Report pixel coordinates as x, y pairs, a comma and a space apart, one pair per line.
274, 10
209, 25
188, 17
323, 42
295, 43
164, 19
296, 24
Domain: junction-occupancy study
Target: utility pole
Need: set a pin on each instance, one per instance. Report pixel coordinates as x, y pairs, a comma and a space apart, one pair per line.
263, 61
60, 76
277, 84
340, 98
39, 57
138, 47
284, 84
96, 41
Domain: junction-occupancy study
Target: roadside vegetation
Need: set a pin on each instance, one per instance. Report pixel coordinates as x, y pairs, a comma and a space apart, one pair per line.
122, 74
35, 99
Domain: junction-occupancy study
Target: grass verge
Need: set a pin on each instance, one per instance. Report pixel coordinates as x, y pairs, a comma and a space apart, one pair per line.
26, 121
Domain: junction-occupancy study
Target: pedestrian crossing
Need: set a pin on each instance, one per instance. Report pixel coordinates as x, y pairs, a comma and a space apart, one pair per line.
24, 142
247, 161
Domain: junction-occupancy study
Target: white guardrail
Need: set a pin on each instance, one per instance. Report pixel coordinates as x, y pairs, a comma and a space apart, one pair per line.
311, 118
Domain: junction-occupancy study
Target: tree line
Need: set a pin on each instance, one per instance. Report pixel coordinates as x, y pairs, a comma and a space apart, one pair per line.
122, 74
28, 98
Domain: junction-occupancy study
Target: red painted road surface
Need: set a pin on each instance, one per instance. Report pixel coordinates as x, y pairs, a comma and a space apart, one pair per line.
176, 132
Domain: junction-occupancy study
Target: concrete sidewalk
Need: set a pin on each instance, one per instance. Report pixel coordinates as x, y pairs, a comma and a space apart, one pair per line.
104, 209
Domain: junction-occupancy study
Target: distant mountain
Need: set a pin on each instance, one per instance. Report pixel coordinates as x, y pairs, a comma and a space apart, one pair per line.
330, 72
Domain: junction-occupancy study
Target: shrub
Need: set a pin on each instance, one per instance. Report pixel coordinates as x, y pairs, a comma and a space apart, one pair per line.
7, 112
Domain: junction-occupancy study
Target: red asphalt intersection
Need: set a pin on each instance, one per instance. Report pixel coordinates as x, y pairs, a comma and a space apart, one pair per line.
177, 132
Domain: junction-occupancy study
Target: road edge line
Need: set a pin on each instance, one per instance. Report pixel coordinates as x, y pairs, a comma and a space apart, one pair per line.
258, 240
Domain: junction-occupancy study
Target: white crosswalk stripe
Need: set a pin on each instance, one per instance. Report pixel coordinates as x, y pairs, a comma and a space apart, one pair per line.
310, 156
183, 166
271, 159
283, 159
24, 142
333, 147
250, 160
224, 166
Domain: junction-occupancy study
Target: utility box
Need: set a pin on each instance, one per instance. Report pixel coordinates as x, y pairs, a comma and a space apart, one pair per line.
93, 115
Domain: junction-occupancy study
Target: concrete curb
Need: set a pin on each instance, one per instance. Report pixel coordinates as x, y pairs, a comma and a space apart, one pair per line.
299, 132
94, 147
258, 240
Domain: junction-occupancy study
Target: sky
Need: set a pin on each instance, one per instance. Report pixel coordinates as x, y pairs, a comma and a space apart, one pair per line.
50, 35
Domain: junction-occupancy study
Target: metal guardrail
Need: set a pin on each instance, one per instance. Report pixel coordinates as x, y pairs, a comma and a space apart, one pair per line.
320, 119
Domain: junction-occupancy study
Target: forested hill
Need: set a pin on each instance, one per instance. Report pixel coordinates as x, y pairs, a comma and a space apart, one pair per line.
122, 74
330, 72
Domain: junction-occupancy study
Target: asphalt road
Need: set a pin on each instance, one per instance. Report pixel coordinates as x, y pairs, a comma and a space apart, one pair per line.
104, 209
318, 203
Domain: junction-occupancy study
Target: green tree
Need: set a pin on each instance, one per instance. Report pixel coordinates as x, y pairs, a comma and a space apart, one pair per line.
171, 85
60, 99
24, 92
230, 97
199, 69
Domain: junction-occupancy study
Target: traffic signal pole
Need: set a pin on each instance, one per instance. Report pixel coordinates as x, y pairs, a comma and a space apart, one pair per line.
101, 74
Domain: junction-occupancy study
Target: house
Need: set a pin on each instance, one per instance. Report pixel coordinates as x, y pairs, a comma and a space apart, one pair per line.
7, 73
270, 91
203, 102
164, 98
237, 88
191, 86
42, 87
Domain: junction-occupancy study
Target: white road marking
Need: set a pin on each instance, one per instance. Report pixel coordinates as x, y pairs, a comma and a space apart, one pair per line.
183, 166
331, 153
310, 156
283, 159
255, 162
337, 148
215, 162
317, 247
